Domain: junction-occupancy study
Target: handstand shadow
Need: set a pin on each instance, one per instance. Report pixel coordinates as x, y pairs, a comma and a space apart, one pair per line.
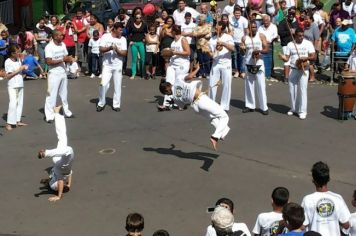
207, 158
330, 112
45, 188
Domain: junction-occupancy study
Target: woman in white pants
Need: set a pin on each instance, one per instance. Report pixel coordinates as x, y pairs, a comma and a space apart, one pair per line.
179, 63
113, 46
184, 93
62, 157
254, 44
302, 51
13, 69
221, 45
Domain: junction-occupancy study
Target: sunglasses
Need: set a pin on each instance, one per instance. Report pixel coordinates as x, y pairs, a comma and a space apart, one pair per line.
138, 18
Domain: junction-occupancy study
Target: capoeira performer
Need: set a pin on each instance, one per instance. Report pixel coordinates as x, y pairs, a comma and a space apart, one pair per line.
221, 45
300, 51
56, 55
13, 70
113, 46
62, 156
179, 63
190, 93
254, 44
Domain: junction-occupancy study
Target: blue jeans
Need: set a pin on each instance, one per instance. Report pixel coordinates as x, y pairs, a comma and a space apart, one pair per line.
237, 59
205, 63
268, 61
95, 64
41, 54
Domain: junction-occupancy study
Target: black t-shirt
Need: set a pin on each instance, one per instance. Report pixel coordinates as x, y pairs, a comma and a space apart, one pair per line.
137, 34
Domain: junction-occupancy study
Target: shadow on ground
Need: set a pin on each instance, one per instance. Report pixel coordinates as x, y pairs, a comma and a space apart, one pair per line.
207, 158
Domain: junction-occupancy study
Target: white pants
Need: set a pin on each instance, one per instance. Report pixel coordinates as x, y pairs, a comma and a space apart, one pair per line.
225, 73
219, 118
116, 74
255, 83
298, 86
57, 83
175, 72
15, 105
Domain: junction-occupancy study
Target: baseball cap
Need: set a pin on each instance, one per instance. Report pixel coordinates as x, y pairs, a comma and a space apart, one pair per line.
222, 218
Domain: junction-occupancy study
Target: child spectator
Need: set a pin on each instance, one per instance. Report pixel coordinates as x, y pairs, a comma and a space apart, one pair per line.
267, 223
95, 57
134, 224
152, 49
353, 216
34, 70
13, 69
3, 50
161, 232
187, 31
73, 69
293, 216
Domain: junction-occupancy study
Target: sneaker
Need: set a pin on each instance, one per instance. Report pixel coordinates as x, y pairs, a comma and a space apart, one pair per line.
100, 76
92, 76
117, 109
99, 108
302, 116
246, 110
266, 112
290, 113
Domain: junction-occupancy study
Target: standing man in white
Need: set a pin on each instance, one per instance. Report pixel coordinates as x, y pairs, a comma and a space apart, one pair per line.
255, 44
221, 46
62, 157
113, 46
300, 53
179, 13
56, 55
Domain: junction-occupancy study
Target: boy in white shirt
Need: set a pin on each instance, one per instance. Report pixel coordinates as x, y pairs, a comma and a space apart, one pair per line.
325, 212
267, 223
95, 57
73, 69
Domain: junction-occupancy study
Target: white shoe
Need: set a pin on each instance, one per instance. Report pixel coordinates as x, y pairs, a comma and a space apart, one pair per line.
99, 76
92, 76
290, 113
302, 116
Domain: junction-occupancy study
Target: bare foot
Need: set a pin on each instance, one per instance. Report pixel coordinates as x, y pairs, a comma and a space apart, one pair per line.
20, 124
54, 199
8, 127
214, 142
57, 109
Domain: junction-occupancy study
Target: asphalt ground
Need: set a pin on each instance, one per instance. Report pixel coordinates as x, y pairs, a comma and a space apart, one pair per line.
163, 165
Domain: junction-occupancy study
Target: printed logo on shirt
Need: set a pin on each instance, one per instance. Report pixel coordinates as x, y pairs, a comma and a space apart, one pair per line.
325, 207
274, 228
343, 38
179, 90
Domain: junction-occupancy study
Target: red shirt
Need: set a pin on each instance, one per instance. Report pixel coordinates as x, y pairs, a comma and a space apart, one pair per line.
79, 24
68, 39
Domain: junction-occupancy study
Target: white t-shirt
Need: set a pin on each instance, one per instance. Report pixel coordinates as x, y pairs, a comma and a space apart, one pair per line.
94, 44
270, 7
290, 3
178, 16
304, 49
189, 28
267, 223
111, 58
12, 66
239, 26
352, 61
229, 10
183, 92
353, 224
318, 20
56, 52
252, 46
242, 3
271, 32
351, 9
72, 67
178, 47
223, 56
323, 212
210, 231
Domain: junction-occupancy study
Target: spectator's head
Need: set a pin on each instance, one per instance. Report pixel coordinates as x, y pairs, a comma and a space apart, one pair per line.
338, 22
169, 21
93, 19
253, 27
220, 27
110, 22
353, 202
176, 30
54, 21
222, 220
13, 51
202, 19
138, 18
280, 196
137, 11
96, 35
319, 5
165, 87
164, 14
41, 23
311, 233
308, 19
181, 5
3, 34
161, 232
283, 4
204, 8
237, 12
348, 2
122, 14
291, 13
68, 24
225, 18
299, 35
152, 29
79, 13
320, 172
293, 215
134, 223
225, 202
30, 51
117, 29
188, 17
337, 6
57, 36
266, 20
232, 2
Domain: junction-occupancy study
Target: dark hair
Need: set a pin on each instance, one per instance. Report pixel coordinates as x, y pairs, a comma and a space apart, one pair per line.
11, 49
134, 222
225, 15
135, 9
310, 15
30, 50
237, 8
79, 10
293, 214
223, 25
299, 30
188, 14
163, 86
153, 25
176, 29
95, 32
280, 196
311, 233
95, 17
118, 25
161, 232
319, 5
320, 173
252, 22
169, 17
122, 11
181, 1
226, 201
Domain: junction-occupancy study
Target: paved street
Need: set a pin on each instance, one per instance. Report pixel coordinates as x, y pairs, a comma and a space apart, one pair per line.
163, 165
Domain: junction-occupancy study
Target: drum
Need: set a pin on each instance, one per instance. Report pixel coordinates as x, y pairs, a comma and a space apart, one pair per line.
166, 53
347, 91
